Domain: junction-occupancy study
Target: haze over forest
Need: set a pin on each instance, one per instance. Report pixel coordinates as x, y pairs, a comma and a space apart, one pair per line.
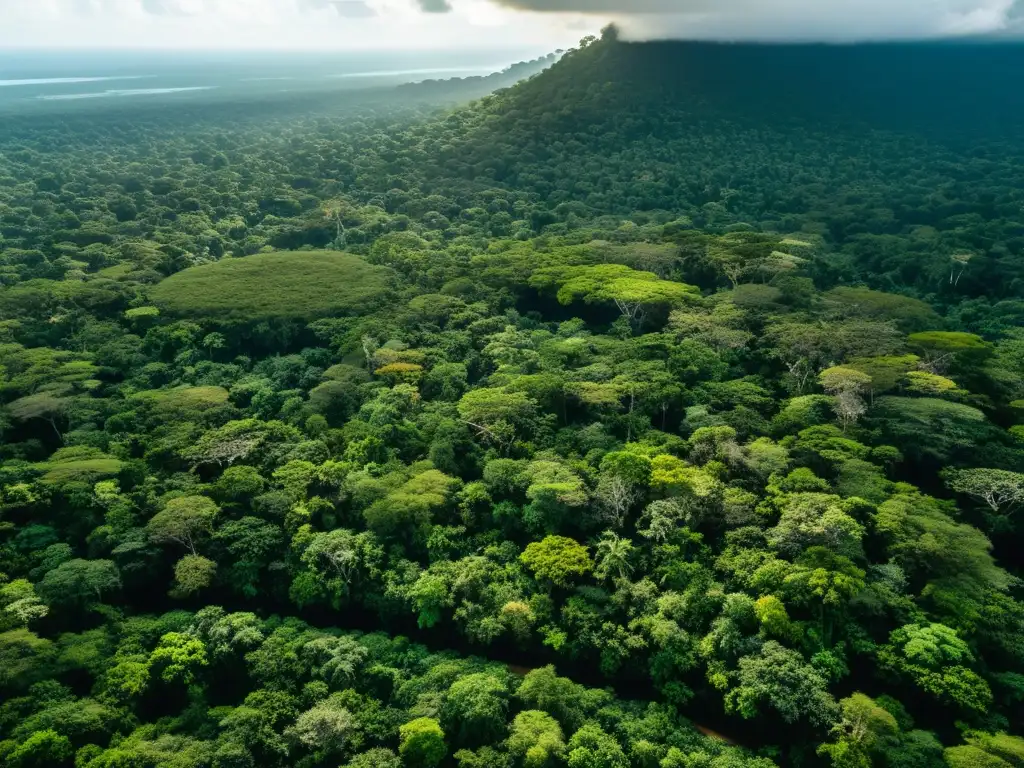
450, 394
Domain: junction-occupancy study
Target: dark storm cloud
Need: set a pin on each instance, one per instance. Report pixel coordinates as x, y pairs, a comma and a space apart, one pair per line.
796, 19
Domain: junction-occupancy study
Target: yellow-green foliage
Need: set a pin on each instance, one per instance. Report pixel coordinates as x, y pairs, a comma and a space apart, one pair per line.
183, 399
78, 463
297, 285
80, 470
117, 271
142, 312
1002, 745
407, 372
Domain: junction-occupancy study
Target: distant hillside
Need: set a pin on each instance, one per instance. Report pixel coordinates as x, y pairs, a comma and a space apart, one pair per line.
901, 160
941, 86
466, 88
918, 142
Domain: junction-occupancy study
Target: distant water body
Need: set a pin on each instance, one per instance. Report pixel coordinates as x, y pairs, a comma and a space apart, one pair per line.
67, 80
64, 78
123, 92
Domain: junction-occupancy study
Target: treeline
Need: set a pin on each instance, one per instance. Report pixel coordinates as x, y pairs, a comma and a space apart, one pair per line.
458, 90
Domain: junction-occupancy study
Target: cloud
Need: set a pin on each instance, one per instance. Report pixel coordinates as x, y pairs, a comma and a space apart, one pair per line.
434, 6
165, 8
348, 9
452, 26
825, 20
353, 9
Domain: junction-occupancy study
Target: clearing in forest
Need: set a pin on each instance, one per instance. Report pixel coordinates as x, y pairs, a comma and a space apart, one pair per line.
293, 285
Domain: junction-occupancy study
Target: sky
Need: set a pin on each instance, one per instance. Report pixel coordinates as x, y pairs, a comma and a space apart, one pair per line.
538, 25
287, 24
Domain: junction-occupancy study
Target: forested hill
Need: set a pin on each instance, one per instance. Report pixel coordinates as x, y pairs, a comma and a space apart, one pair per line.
944, 88
899, 155
675, 385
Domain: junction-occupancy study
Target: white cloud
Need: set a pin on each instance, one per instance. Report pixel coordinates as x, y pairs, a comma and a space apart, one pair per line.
280, 24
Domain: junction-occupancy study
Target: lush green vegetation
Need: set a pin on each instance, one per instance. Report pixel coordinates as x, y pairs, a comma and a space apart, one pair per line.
273, 286
525, 434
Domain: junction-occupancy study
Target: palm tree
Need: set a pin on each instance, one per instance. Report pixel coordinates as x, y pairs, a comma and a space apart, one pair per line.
613, 553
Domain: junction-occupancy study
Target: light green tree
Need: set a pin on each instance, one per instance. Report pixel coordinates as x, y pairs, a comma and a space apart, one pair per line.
19, 604
422, 743
634, 293
780, 678
860, 734
178, 656
1001, 490
942, 349
184, 520
613, 555
847, 385
474, 709
935, 658
557, 559
536, 739
324, 728
193, 573
592, 747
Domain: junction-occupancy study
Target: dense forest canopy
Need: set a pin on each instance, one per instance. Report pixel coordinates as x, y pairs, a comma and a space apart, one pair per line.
665, 409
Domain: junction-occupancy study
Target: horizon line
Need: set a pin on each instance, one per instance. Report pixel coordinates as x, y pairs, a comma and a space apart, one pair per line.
977, 40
